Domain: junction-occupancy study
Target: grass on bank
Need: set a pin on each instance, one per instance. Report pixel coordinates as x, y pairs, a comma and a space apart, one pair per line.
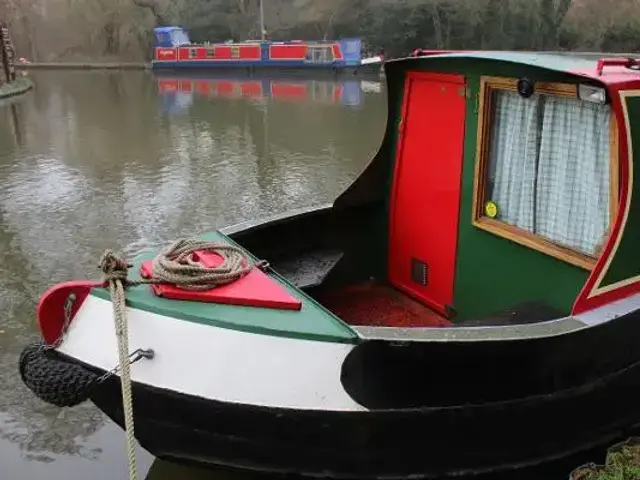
621, 464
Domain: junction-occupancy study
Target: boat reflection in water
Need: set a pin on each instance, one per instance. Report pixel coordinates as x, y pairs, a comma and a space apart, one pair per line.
177, 93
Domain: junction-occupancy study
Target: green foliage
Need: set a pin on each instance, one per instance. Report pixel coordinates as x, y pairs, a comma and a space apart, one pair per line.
123, 28
623, 464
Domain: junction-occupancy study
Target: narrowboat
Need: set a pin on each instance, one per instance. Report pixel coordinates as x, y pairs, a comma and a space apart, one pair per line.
343, 91
469, 305
174, 50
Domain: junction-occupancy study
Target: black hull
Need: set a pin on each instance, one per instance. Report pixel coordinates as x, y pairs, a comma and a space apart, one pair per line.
423, 443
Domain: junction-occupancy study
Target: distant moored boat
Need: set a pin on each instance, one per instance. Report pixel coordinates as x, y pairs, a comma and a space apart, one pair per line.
174, 50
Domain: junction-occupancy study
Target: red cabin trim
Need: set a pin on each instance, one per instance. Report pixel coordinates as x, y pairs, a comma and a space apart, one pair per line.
337, 51
200, 53
164, 54
592, 294
287, 52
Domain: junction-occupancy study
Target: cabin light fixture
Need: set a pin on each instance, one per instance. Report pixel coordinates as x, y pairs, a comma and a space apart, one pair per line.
591, 93
525, 87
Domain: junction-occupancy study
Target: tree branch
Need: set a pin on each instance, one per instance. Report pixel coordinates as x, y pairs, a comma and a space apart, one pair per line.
153, 7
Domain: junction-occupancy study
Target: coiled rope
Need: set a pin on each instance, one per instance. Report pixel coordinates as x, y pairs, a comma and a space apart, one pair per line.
173, 264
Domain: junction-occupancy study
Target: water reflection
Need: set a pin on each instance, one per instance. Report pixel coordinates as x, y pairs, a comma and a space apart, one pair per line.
90, 160
177, 93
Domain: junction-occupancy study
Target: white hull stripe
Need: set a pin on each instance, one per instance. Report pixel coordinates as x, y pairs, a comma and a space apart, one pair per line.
215, 363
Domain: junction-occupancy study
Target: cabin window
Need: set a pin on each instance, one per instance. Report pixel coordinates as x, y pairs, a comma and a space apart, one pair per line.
193, 53
322, 54
235, 52
211, 53
546, 173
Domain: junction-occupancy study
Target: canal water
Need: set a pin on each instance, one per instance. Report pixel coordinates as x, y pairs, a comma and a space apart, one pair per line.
122, 160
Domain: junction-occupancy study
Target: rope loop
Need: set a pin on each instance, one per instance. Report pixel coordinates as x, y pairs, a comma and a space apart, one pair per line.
113, 267
175, 264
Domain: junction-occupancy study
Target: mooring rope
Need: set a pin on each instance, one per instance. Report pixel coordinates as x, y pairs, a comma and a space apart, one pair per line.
115, 271
172, 265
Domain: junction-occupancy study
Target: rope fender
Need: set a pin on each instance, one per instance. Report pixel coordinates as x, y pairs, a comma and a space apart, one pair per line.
54, 380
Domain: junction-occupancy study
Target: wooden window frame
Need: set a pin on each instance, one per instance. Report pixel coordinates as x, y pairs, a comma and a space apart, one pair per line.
211, 52
235, 52
510, 232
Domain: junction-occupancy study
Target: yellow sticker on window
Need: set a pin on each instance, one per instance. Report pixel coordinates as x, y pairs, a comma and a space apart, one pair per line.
491, 209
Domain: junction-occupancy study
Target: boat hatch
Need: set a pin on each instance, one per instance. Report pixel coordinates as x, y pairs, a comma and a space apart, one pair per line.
426, 194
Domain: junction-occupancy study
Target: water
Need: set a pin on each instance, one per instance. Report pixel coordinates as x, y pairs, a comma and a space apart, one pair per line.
93, 160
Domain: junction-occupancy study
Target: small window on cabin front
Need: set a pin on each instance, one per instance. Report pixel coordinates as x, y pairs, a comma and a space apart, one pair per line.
320, 54
547, 169
193, 53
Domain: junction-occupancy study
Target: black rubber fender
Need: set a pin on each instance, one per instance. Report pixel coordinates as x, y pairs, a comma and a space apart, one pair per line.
53, 379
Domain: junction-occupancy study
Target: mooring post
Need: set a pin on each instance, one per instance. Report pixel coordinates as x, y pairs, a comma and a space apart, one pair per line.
5, 63
6, 49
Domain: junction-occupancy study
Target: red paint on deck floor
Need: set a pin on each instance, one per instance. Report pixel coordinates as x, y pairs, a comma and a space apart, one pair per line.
378, 305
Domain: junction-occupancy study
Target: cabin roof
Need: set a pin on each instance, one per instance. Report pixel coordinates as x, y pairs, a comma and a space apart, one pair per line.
573, 63
167, 29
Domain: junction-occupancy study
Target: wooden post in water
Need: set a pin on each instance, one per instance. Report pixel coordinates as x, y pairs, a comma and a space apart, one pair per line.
4, 78
7, 52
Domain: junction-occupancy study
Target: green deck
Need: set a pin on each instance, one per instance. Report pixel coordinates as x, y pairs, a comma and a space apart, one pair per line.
312, 322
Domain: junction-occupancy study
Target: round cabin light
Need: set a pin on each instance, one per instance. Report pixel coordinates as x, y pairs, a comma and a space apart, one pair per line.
525, 87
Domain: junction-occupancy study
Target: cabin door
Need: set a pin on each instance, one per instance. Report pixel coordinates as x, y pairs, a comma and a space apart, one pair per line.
425, 198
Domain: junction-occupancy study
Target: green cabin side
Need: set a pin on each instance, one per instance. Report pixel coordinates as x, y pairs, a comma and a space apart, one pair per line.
492, 273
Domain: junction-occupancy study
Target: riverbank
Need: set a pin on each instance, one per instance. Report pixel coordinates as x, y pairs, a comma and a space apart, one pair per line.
19, 86
85, 66
622, 463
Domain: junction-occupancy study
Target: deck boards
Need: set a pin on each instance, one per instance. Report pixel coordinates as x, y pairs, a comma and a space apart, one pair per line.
378, 305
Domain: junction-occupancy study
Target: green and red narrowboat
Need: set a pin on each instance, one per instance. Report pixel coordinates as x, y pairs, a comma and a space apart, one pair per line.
470, 304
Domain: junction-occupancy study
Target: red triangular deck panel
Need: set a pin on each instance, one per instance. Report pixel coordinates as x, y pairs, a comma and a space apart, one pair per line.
255, 289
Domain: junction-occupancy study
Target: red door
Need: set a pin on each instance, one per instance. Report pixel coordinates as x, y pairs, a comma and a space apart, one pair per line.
426, 191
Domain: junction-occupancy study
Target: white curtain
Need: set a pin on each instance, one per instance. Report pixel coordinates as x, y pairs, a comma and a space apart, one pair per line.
549, 162
573, 194
513, 157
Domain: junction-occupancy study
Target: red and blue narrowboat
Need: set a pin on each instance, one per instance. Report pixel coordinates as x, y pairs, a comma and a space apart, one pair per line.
469, 305
173, 50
